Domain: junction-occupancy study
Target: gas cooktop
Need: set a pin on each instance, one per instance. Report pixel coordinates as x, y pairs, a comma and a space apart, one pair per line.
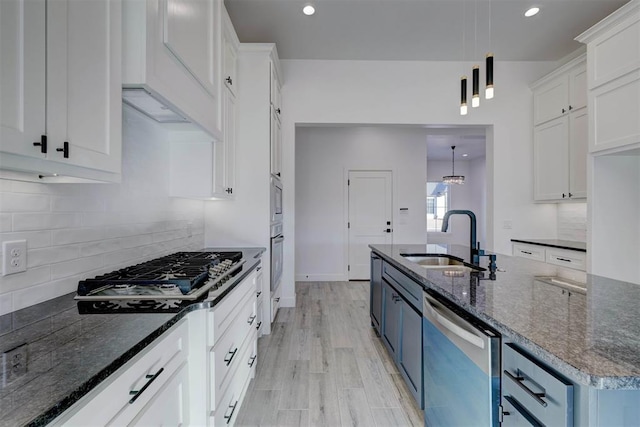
163, 284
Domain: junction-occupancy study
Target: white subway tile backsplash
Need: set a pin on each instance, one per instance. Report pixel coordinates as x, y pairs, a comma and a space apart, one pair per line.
77, 235
76, 266
44, 221
77, 231
35, 239
5, 222
6, 303
572, 221
14, 202
77, 204
51, 255
33, 276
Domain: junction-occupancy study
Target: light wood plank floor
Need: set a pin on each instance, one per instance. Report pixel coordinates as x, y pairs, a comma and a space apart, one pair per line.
324, 365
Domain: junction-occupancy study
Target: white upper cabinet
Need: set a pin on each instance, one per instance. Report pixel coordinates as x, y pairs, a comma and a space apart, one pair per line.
229, 55
172, 49
276, 111
22, 77
75, 105
613, 51
561, 92
560, 136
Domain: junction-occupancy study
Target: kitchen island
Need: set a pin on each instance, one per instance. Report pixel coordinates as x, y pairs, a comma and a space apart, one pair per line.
590, 336
69, 354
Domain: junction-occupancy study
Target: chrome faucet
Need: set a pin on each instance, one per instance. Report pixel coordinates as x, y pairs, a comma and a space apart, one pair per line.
475, 252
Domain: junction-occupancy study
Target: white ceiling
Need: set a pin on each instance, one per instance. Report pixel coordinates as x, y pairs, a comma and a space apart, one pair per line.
470, 142
418, 29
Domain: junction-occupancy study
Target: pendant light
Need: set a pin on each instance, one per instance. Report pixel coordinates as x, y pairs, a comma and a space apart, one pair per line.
475, 97
488, 93
453, 178
463, 96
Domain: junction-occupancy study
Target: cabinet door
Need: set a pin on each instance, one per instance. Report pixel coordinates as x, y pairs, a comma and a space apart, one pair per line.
170, 405
578, 151
229, 64
276, 142
376, 291
551, 160
578, 87
84, 83
410, 357
551, 100
22, 77
391, 321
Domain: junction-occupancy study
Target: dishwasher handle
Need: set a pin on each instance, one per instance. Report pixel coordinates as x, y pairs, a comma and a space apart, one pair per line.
450, 323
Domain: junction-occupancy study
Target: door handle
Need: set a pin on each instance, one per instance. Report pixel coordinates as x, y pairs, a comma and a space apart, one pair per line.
387, 230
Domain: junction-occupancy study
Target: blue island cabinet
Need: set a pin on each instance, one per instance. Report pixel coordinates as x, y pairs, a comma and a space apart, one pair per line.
401, 327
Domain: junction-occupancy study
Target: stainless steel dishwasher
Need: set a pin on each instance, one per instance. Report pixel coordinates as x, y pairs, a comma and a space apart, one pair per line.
461, 357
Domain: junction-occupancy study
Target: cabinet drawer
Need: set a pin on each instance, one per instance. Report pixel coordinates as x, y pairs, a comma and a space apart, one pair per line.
225, 312
541, 392
564, 258
409, 289
153, 368
225, 355
529, 251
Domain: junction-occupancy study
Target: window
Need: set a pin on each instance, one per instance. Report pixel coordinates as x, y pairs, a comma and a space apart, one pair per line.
437, 204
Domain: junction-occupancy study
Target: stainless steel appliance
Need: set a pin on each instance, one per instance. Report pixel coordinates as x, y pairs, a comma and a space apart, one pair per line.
461, 366
164, 284
276, 200
277, 242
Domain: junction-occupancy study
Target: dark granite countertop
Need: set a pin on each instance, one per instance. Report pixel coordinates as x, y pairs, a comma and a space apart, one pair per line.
555, 243
590, 335
69, 353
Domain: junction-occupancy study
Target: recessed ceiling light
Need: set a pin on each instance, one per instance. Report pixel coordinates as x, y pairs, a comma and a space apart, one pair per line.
465, 155
308, 10
532, 11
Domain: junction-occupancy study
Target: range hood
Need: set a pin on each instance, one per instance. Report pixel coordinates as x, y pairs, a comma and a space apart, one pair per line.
152, 105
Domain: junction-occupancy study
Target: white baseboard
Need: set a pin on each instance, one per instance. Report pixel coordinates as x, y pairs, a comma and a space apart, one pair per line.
287, 302
321, 278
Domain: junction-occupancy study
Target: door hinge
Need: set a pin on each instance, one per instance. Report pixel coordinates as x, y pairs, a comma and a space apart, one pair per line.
348, 182
348, 268
348, 225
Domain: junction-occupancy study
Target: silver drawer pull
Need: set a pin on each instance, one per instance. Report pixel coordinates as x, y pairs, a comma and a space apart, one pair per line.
136, 393
518, 379
233, 409
230, 356
252, 360
251, 319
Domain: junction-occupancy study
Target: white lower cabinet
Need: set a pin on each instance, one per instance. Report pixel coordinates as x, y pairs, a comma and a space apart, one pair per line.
196, 373
139, 387
275, 302
561, 257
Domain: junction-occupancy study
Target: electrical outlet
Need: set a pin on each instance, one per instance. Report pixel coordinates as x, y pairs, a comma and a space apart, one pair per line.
14, 257
14, 363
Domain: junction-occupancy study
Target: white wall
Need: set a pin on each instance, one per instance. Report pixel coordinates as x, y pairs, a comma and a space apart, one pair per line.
412, 92
471, 195
324, 155
75, 231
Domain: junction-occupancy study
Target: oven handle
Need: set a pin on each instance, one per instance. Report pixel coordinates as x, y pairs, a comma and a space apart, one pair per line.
277, 239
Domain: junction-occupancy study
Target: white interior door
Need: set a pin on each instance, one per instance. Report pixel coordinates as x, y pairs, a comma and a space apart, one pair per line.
369, 217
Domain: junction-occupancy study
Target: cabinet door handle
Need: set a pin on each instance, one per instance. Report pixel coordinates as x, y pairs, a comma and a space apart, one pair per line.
564, 111
563, 259
258, 325
64, 150
395, 297
42, 144
570, 108
278, 299
278, 110
229, 190
251, 319
136, 393
258, 294
518, 379
229, 80
570, 195
230, 356
252, 360
233, 409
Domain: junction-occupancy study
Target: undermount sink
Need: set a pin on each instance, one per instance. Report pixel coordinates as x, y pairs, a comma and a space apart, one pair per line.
435, 261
